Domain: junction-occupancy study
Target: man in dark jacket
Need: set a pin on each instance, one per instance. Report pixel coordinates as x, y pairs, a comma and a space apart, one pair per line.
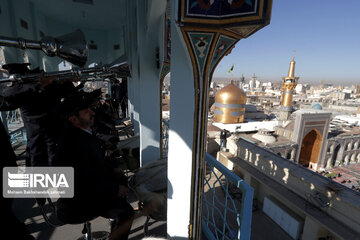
35, 99
97, 190
223, 136
8, 159
36, 102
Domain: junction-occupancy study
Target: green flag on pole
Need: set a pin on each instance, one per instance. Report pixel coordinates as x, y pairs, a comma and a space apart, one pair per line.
232, 68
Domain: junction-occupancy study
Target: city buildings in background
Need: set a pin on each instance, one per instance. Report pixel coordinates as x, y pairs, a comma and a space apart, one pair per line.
297, 145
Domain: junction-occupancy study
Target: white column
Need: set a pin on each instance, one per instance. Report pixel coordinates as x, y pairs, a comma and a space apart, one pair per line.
180, 134
133, 104
131, 43
150, 17
144, 85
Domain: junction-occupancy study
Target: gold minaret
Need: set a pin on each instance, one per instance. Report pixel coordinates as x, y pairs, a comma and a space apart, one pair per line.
288, 86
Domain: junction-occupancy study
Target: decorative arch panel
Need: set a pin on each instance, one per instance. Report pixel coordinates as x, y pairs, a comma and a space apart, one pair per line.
210, 30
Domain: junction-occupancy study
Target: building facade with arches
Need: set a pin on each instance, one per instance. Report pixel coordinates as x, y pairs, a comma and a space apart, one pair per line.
343, 149
316, 146
310, 134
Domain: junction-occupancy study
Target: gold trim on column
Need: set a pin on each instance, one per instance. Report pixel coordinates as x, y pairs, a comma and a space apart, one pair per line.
224, 30
200, 85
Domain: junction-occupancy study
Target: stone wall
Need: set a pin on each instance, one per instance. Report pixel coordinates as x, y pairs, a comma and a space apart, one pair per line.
343, 204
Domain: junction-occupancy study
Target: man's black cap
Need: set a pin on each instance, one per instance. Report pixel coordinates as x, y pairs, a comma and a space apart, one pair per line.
78, 101
20, 68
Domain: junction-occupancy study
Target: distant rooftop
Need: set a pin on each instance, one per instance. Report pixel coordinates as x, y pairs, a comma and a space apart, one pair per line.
279, 140
310, 111
348, 176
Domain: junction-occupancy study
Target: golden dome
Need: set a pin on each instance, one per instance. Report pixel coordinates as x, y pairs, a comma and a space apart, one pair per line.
230, 105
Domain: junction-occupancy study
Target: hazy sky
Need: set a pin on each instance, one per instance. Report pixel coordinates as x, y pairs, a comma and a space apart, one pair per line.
324, 33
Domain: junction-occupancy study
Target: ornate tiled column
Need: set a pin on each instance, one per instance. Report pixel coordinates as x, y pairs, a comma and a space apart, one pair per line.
202, 33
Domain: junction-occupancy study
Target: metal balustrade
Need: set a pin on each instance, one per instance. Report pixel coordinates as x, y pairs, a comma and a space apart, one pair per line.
18, 136
13, 117
165, 137
227, 203
227, 199
15, 126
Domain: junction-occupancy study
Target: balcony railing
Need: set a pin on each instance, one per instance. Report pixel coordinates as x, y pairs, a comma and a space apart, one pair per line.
13, 117
227, 200
15, 127
165, 137
227, 203
18, 136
